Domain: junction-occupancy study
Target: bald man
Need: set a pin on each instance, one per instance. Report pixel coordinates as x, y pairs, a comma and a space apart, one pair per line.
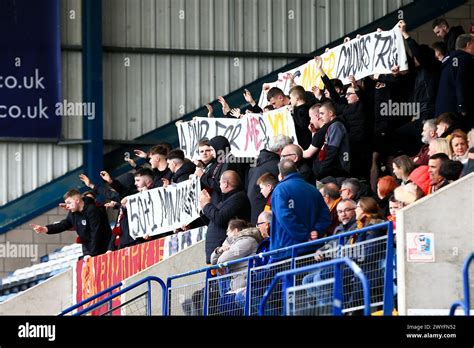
294, 153
234, 204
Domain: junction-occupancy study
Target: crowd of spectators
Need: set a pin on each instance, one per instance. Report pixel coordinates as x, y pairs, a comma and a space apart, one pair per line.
352, 166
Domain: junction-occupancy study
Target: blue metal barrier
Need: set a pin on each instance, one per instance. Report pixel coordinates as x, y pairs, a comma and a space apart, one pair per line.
388, 270
92, 298
109, 298
466, 304
387, 287
287, 278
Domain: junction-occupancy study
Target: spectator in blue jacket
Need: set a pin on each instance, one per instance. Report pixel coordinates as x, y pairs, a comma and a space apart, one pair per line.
298, 209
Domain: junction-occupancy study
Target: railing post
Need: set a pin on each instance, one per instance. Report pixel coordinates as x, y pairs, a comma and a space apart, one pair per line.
337, 291
388, 277
467, 296
248, 288
148, 300
205, 303
167, 298
110, 302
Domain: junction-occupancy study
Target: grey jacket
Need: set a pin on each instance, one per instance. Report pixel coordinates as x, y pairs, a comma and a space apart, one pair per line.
242, 245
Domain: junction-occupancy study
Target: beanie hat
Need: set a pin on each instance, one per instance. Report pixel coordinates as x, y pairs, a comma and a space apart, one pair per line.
421, 178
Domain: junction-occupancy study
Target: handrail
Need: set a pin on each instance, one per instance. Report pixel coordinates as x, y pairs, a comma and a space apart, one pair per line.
128, 288
89, 299
207, 269
387, 225
466, 304
338, 275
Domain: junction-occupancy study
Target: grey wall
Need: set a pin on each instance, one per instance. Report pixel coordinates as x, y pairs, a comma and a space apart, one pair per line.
156, 89
47, 298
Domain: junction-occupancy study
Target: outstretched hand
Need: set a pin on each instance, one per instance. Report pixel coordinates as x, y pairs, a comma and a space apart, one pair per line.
39, 228
85, 179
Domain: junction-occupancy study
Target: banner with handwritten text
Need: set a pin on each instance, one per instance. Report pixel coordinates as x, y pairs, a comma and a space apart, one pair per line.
163, 209
374, 53
247, 135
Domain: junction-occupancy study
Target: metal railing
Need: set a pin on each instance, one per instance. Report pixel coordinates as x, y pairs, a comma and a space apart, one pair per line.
90, 299
214, 295
466, 304
203, 297
287, 278
108, 300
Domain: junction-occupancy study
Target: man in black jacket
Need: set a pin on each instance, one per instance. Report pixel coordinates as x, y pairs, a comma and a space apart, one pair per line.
90, 222
456, 87
300, 116
267, 162
234, 204
181, 167
449, 34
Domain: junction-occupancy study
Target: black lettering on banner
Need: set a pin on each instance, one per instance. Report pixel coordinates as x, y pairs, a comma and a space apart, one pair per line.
353, 58
162, 209
387, 55
182, 138
143, 215
153, 213
161, 195
230, 132
134, 216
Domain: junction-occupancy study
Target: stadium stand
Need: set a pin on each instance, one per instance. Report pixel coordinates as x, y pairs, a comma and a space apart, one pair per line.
326, 240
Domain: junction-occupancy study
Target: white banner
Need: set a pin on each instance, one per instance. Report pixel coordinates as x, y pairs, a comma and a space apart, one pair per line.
374, 53
163, 209
247, 135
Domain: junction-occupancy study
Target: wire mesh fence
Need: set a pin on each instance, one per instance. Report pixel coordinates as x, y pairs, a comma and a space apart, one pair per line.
227, 295
312, 298
309, 293
260, 279
187, 299
137, 305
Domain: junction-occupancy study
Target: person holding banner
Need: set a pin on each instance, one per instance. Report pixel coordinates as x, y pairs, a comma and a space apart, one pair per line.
353, 113
205, 161
334, 156
277, 98
210, 180
300, 115
180, 167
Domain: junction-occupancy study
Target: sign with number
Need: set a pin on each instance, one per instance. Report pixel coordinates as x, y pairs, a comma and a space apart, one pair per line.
163, 209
